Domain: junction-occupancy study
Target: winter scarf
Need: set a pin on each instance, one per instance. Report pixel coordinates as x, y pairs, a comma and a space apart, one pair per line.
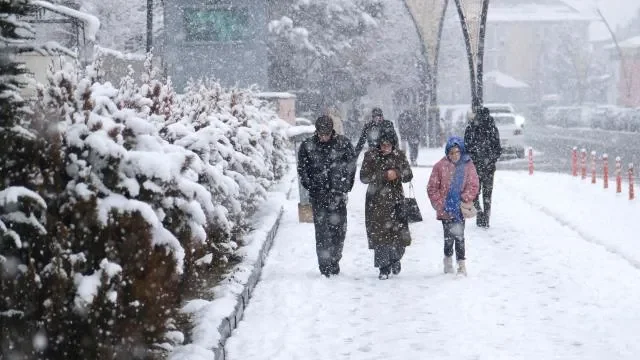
454, 197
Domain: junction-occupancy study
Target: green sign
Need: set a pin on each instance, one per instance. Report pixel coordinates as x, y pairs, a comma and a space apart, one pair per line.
216, 24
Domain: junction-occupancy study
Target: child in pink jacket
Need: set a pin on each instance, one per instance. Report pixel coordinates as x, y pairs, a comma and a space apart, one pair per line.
453, 181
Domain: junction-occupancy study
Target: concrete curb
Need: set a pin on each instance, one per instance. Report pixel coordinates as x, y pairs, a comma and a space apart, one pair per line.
231, 322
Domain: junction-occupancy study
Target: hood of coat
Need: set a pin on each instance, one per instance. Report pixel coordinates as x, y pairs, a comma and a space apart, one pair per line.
484, 117
455, 141
459, 142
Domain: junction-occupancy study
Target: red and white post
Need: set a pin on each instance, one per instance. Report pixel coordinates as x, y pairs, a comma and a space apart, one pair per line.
574, 161
530, 161
605, 168
632, 194
593, 167
583, 163
618, 176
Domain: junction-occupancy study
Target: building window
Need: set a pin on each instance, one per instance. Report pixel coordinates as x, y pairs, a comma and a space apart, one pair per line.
216, 24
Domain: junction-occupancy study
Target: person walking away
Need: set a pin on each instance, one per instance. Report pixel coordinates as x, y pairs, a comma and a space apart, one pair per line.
373, 130
326, 168
482, 141
352, 125
453, 181
409, 129
384, 169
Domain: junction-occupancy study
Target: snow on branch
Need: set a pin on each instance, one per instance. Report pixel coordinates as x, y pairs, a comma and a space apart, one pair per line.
10, 233
14, 193
21, 218
161, 236
88, 285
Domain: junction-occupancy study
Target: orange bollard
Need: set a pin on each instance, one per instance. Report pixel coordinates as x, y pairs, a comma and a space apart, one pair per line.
593, 167
583, 163
631, 191
574, 161
605, 176
530, 161
618, 176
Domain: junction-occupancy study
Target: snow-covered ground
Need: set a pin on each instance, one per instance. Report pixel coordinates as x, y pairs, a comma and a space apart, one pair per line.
555, 277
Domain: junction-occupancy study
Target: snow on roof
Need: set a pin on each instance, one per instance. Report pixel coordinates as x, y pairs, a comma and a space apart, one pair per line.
503, 80
118, 54
275, 95
630, 43
540, 10
91, 23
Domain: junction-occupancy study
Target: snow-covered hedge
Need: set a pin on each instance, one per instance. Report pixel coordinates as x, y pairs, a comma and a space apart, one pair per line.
137, 186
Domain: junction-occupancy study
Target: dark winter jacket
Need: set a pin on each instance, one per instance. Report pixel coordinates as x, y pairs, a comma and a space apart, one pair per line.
409, 126
482, 141
326, 168
371, 133
382, 224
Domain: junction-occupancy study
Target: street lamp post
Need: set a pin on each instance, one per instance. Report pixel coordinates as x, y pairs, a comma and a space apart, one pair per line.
428, 17
473, 19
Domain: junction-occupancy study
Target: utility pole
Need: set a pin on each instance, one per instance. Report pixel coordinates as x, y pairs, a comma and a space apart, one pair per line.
149, 25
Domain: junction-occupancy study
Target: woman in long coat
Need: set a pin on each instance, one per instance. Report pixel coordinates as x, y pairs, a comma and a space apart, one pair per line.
384, 169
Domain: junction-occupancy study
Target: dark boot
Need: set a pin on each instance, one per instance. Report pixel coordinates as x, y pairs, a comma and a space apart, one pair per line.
384, 273
335, 269
481, 220
396, 267
325, 270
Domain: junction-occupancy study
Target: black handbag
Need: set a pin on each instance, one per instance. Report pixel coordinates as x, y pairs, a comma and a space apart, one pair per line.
408, 210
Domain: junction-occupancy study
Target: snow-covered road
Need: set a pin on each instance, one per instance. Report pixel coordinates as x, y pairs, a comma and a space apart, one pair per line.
537, 289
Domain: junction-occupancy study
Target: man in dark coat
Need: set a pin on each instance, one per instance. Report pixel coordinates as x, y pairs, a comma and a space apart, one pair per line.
409, 129
327, 167
375, 128
482, 140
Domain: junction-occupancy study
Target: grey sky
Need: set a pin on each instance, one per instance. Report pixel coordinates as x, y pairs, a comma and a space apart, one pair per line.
616, 12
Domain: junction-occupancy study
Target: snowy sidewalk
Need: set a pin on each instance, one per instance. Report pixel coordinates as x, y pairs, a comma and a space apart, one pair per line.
537, 289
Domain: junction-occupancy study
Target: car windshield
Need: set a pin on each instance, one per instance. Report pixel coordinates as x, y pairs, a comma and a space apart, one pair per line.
501, 119
500, 108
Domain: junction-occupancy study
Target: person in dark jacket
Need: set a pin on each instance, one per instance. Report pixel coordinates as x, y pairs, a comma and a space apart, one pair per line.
384, 169
371, 132
327, 167
482, 141
409, 129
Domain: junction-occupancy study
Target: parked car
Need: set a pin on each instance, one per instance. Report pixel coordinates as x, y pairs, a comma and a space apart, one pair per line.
520, 120
568, 116
511, 135
498, 108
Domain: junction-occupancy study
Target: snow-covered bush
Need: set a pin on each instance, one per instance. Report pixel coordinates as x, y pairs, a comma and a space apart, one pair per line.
240, 141
101, 227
